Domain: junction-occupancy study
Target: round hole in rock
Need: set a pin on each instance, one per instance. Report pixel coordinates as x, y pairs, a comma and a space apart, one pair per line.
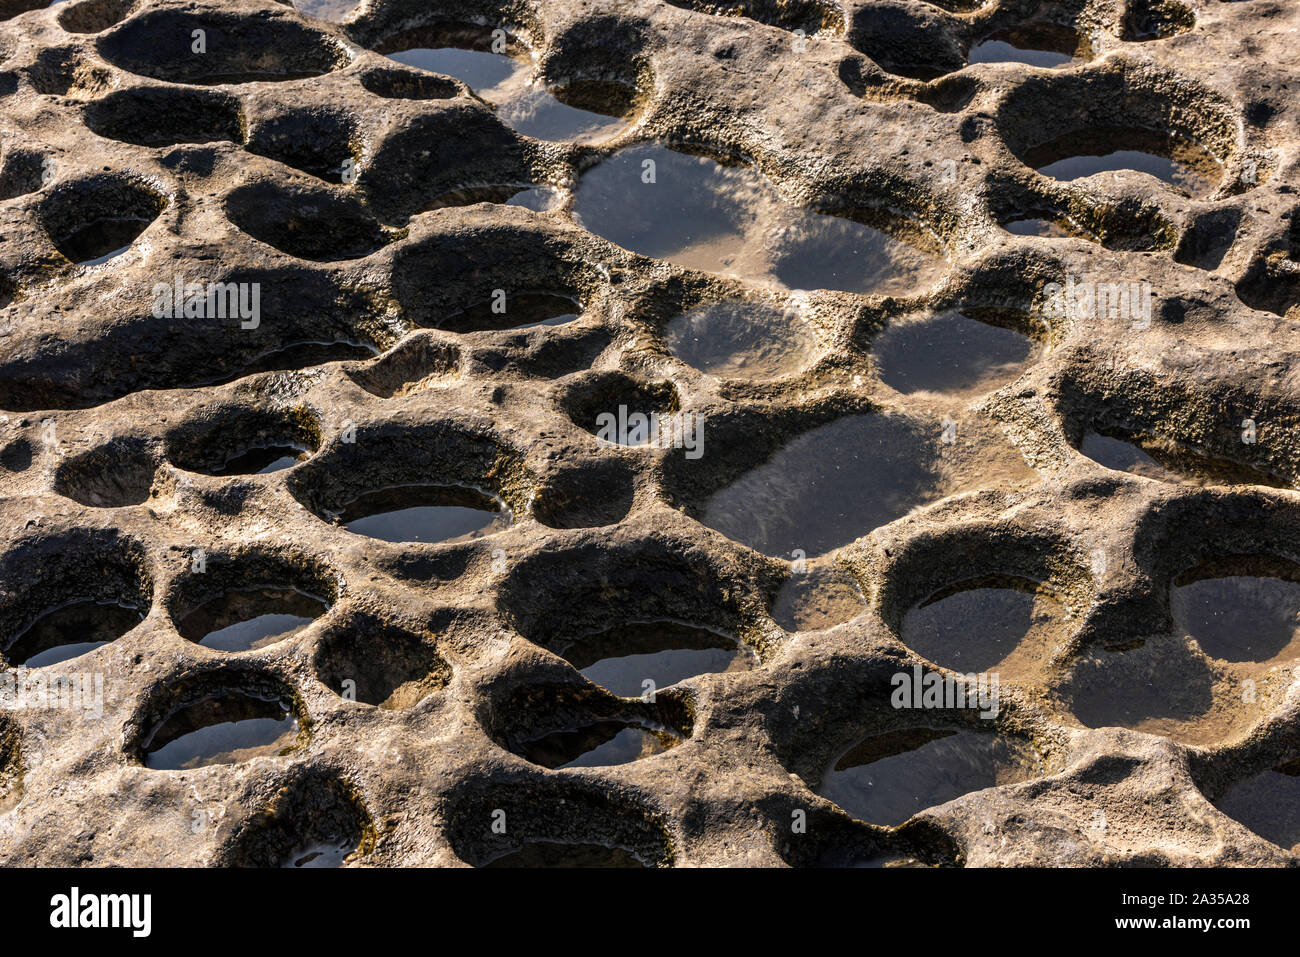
318, 141
539, 199
1045, 226
719, 216
382, 665
838, 481
1164, 460
1243, 610
1268, 803
70, 630
151, 116
602, 744
272, 47
94, 16
20, 174
316, 819
238, 441
742, 340
17, 456
228, 727
115, 475
952, 353
633, 657
426, 513
803, 16
315, 224
91, 221
94, 220
889, 777
242, 619
407, 85
622, 411
1155, 19
1047, 45
1001, 622
469, 52
593, 493
1187, 167
524, 310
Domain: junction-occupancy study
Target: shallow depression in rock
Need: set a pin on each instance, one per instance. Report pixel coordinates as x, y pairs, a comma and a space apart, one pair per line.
624, 658
425, 513
890, 777
837, 482
742, 340
951, 353
1239, 617
1006, 624
225, 729
69, 631
246, 618
704, 214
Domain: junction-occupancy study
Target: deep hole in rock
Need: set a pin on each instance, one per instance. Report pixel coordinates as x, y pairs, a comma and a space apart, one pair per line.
425, 513
238, 48
318, 224
92, 220
150, 116
366, 660
889, 777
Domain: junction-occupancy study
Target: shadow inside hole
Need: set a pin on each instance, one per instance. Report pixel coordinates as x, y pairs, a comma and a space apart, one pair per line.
1187, 167
381, 665
1247, 610
598, 745
226, 728
426, 513
974, 626
633, 658
1164, 460
242, 619
562, 854
526, 310
1268, 804
71, 630
888, 778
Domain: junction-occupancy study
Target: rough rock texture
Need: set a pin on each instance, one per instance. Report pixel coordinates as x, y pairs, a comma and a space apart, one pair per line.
232, 158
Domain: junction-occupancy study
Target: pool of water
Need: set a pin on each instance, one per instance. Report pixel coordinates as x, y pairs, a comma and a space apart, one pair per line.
1239, 618
624, 658
756, 342
425, 513
69, 631
247, 618
1183, 165
889, 777
951, 354
1268, 803
1005, 625
225, 729
263, 460
603, 744
837, 482
499, 70
703, 214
